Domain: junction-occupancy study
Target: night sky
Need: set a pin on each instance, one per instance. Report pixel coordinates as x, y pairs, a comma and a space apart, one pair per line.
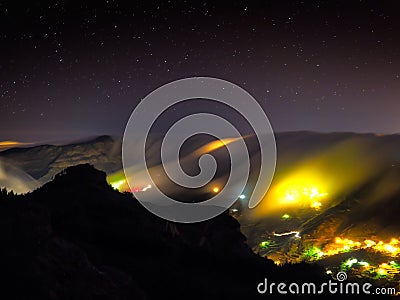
70, 70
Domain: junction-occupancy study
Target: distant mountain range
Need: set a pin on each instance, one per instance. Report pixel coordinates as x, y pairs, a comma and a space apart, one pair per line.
41, 163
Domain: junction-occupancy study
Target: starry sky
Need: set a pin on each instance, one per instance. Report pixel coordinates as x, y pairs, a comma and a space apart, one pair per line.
70, 70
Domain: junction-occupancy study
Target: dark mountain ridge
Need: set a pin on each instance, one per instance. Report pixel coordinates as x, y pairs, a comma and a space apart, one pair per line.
77, 238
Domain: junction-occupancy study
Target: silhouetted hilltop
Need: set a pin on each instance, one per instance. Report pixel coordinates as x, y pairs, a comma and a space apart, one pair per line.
77, 238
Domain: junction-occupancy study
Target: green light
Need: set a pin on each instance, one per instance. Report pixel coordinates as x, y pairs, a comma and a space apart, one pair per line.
313, 253
117, 180
347, 264
242, 196
266, 244
285, 217
363, 263
351, 261
117, 184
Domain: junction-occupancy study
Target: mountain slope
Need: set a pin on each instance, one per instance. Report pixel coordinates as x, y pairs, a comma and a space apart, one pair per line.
77, 238
41, 163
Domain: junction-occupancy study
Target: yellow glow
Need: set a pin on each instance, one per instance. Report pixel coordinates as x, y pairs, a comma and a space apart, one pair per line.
118, 181
216, 189
369, 243
381, 271
302, 193
341, 245
384, 265
299, 190
315, 204
291, 195
306, 183
214, 145
390, 248
118, 184
10, 144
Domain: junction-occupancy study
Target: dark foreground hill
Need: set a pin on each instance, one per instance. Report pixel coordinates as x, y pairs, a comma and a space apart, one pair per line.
77, 238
